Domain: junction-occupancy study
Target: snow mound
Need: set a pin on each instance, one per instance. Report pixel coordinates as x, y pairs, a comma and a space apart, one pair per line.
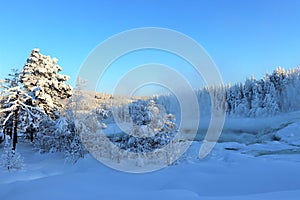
289, 134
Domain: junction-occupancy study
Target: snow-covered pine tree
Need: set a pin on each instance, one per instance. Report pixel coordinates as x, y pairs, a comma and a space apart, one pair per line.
1, 107
292, 92
12, 100
270, 103
248, 92
75, 148
218, 99
41, 79
278, 78
17, 109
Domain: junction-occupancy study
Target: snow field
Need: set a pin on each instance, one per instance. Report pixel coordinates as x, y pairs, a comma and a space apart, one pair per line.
233, 170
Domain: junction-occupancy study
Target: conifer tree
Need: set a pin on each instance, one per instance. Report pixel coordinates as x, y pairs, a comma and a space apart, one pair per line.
41, 79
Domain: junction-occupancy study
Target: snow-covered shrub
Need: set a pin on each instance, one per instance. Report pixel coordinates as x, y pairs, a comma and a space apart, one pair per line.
88, 128
44, 140
60, 136
11, 159
151, 129
104, 115
140, 113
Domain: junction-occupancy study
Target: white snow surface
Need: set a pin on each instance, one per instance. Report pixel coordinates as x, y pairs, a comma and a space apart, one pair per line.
233, 171
290, 134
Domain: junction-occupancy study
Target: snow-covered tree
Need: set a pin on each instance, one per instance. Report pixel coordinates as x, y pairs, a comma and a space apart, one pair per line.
17, 109
77, 101
12, 99
235, 100
1, 86
41, 79
292, 92
1, 107
75, 150
270, 101
218, 98
279, 80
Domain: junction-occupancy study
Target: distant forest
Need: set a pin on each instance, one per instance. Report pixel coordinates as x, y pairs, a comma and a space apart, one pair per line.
275, 93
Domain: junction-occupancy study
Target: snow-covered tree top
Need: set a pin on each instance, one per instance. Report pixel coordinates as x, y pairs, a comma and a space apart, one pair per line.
41, 79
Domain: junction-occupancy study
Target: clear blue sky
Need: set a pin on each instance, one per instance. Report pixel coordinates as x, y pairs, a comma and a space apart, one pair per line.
242, 37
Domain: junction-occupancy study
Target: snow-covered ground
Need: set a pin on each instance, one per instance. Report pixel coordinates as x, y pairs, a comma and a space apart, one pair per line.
265, 169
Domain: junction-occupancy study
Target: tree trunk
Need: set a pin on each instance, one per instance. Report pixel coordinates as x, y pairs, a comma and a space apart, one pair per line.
15, 134
31, 135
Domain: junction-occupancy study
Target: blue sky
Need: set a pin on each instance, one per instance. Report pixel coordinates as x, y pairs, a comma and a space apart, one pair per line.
242, 37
